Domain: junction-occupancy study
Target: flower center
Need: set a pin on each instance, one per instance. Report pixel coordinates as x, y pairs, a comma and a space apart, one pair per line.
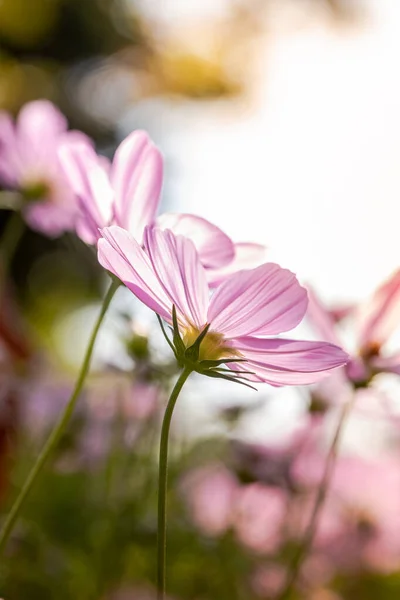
35, 191
213, 346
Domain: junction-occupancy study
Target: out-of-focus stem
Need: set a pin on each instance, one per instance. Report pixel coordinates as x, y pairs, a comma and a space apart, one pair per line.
308, 538
162, 484
59, 428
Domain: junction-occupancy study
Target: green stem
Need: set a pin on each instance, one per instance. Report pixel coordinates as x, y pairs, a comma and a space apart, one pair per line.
61, 424
12, 235
162, 483
323, 489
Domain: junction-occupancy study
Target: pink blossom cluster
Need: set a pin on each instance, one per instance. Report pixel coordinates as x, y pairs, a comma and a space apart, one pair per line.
173, 262
266, 497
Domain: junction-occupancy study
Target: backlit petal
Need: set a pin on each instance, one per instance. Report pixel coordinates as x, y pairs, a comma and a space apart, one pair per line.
178, 268
262, 301
247, 256
288, 362
119, 253
136, 176
214, 247
381, 316
321, 319
39, 126
89, 181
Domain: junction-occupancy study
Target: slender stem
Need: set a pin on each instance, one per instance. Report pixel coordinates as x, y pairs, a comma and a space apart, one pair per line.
61, 424
323, 489
162, 484
11, 237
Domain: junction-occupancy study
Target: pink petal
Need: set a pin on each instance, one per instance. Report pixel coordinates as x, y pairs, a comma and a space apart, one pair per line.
136, 176
262, 301
247, 256
39, 126
386, 364
341, 312
9, 160
214, 247
179, 271
382, 314
90, 182
49, 217
119, 253
288, 362
321, 319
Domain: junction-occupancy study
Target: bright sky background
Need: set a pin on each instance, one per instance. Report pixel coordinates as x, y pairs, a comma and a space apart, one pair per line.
310, 163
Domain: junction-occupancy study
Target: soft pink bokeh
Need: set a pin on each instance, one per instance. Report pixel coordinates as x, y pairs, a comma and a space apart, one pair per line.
29, 163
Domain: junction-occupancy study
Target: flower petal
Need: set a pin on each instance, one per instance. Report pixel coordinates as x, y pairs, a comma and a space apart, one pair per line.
214, 247
382, 315
180, 273
247, 256
39, 125
49, 218
89, 180
288, 362
321, 319
262, 301
386, 364
119, 253
136, 176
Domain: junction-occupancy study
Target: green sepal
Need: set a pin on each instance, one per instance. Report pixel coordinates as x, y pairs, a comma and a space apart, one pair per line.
211, 364
217, 375
178, 342
189, 357
233, 372
170, 344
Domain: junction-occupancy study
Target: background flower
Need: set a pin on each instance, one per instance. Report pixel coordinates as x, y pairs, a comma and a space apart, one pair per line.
29, 164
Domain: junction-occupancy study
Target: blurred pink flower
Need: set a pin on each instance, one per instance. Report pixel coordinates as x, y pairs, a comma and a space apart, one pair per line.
258, 302
268, 580
360, 523
259, 517
373, 324
127, 193
218, 503
273, 464
29, 163
210, 493
366, 493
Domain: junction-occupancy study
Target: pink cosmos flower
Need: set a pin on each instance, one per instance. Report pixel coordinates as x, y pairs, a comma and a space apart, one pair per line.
127, 193
374, 322
211, 493
217, 503
29, 163
259, 517
360, 524
233, 323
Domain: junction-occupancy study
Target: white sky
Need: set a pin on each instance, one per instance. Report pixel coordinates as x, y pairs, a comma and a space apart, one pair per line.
311, 166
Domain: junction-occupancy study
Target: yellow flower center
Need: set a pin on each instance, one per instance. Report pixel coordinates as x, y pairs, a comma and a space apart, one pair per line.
35, 191
212, 347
